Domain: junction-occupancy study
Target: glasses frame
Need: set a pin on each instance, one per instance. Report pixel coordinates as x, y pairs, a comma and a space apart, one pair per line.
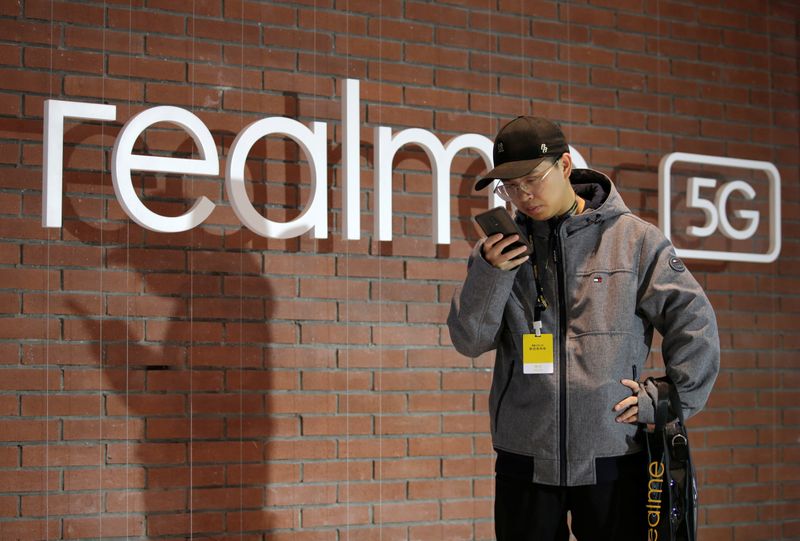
509, 192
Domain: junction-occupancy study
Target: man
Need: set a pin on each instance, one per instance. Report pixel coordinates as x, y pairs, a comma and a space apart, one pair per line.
572, 325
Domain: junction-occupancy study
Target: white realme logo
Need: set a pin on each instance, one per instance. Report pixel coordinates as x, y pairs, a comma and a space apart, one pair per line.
311, 140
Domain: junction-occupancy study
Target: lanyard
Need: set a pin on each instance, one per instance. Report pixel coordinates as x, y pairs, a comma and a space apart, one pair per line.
533, 313
541, 302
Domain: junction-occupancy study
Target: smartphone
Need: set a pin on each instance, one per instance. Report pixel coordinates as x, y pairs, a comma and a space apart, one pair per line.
498, 220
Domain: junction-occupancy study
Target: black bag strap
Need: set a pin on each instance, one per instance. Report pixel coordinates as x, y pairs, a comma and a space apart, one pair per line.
662, 405
671, 440
668, 403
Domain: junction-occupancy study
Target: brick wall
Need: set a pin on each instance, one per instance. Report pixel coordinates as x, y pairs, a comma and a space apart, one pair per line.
221, 384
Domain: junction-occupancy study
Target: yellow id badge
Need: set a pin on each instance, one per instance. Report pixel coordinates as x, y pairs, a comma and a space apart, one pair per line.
537, 354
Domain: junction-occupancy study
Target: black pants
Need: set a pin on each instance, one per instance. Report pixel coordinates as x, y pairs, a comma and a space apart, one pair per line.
613, 510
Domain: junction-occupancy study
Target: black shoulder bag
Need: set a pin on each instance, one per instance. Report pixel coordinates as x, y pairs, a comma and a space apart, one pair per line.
671, 485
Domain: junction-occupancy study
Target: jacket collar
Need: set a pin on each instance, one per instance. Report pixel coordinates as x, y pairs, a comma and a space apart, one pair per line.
603, 202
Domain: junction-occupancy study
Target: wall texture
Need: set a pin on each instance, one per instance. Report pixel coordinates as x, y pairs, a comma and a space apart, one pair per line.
218, 384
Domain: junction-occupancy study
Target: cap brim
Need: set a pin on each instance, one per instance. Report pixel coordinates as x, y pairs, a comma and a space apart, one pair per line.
508, 170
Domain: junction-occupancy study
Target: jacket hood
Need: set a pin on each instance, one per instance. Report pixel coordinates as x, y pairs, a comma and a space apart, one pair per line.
603, 202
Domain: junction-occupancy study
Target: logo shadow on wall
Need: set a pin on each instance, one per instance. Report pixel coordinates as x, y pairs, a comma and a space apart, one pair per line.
182, 349
185, 340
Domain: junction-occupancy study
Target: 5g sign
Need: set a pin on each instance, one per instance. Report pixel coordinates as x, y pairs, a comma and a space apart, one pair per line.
716, 217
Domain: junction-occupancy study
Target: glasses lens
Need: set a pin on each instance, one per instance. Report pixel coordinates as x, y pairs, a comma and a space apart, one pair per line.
502, 192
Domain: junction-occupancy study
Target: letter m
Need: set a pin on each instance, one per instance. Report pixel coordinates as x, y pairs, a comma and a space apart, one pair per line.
441, 158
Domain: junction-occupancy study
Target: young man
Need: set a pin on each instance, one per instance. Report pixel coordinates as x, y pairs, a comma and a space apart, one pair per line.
573, 325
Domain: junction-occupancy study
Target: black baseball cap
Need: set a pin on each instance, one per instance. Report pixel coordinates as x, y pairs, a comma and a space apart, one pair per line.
521, 145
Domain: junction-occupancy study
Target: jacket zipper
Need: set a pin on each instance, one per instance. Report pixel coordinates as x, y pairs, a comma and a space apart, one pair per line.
562, 341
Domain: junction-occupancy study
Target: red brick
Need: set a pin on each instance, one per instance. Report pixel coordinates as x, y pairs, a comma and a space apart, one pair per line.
226, 451
315, 472
28, 430
207, 8
62, 11
467, 510
440, 446
29, 379
72, 61
399, 335
170, 94
426, 12
223, 76
146, 453
8, 507
368, 47
105, 478
358, 448
148, 405
407, 512
60, 405
105, 429
443, 531
226, 403
27, 32
338, 515
61, 455
373, 403
61, 504
306, 449
419, 424
336, 381
24, 530
174, 524
439, 489
424, 54
30, 480
212, 29
393, 8
132, 501
410, 469
226, 498
143, 68
185, 477
168, 429
411, 380
103, 40
265, 519
300, 495
130, 20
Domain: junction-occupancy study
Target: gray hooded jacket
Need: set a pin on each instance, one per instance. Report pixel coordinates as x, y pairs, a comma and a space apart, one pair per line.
610, 279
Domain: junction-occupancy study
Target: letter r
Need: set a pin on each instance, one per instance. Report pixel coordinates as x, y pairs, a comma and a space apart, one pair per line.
55, 111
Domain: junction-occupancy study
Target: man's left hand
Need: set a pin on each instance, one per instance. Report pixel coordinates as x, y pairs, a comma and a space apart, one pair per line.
630, 406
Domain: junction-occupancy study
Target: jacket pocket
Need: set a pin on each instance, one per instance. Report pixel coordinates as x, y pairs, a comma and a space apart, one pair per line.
602, 301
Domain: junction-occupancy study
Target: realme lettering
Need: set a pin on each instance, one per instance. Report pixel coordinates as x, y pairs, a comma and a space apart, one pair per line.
313, 142
654, 491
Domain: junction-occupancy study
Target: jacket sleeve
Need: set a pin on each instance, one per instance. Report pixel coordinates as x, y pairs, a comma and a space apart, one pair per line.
476, 311
670, 298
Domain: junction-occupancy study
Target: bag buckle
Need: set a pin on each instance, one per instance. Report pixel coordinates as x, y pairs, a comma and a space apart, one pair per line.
679, 445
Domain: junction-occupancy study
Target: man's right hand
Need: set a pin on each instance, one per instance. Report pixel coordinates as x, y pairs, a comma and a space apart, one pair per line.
492, 252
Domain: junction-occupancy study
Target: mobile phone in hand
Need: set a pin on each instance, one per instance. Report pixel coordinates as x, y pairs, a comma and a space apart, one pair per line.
498, 220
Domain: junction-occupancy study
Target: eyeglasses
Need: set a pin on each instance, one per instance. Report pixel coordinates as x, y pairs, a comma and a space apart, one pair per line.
508, 192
